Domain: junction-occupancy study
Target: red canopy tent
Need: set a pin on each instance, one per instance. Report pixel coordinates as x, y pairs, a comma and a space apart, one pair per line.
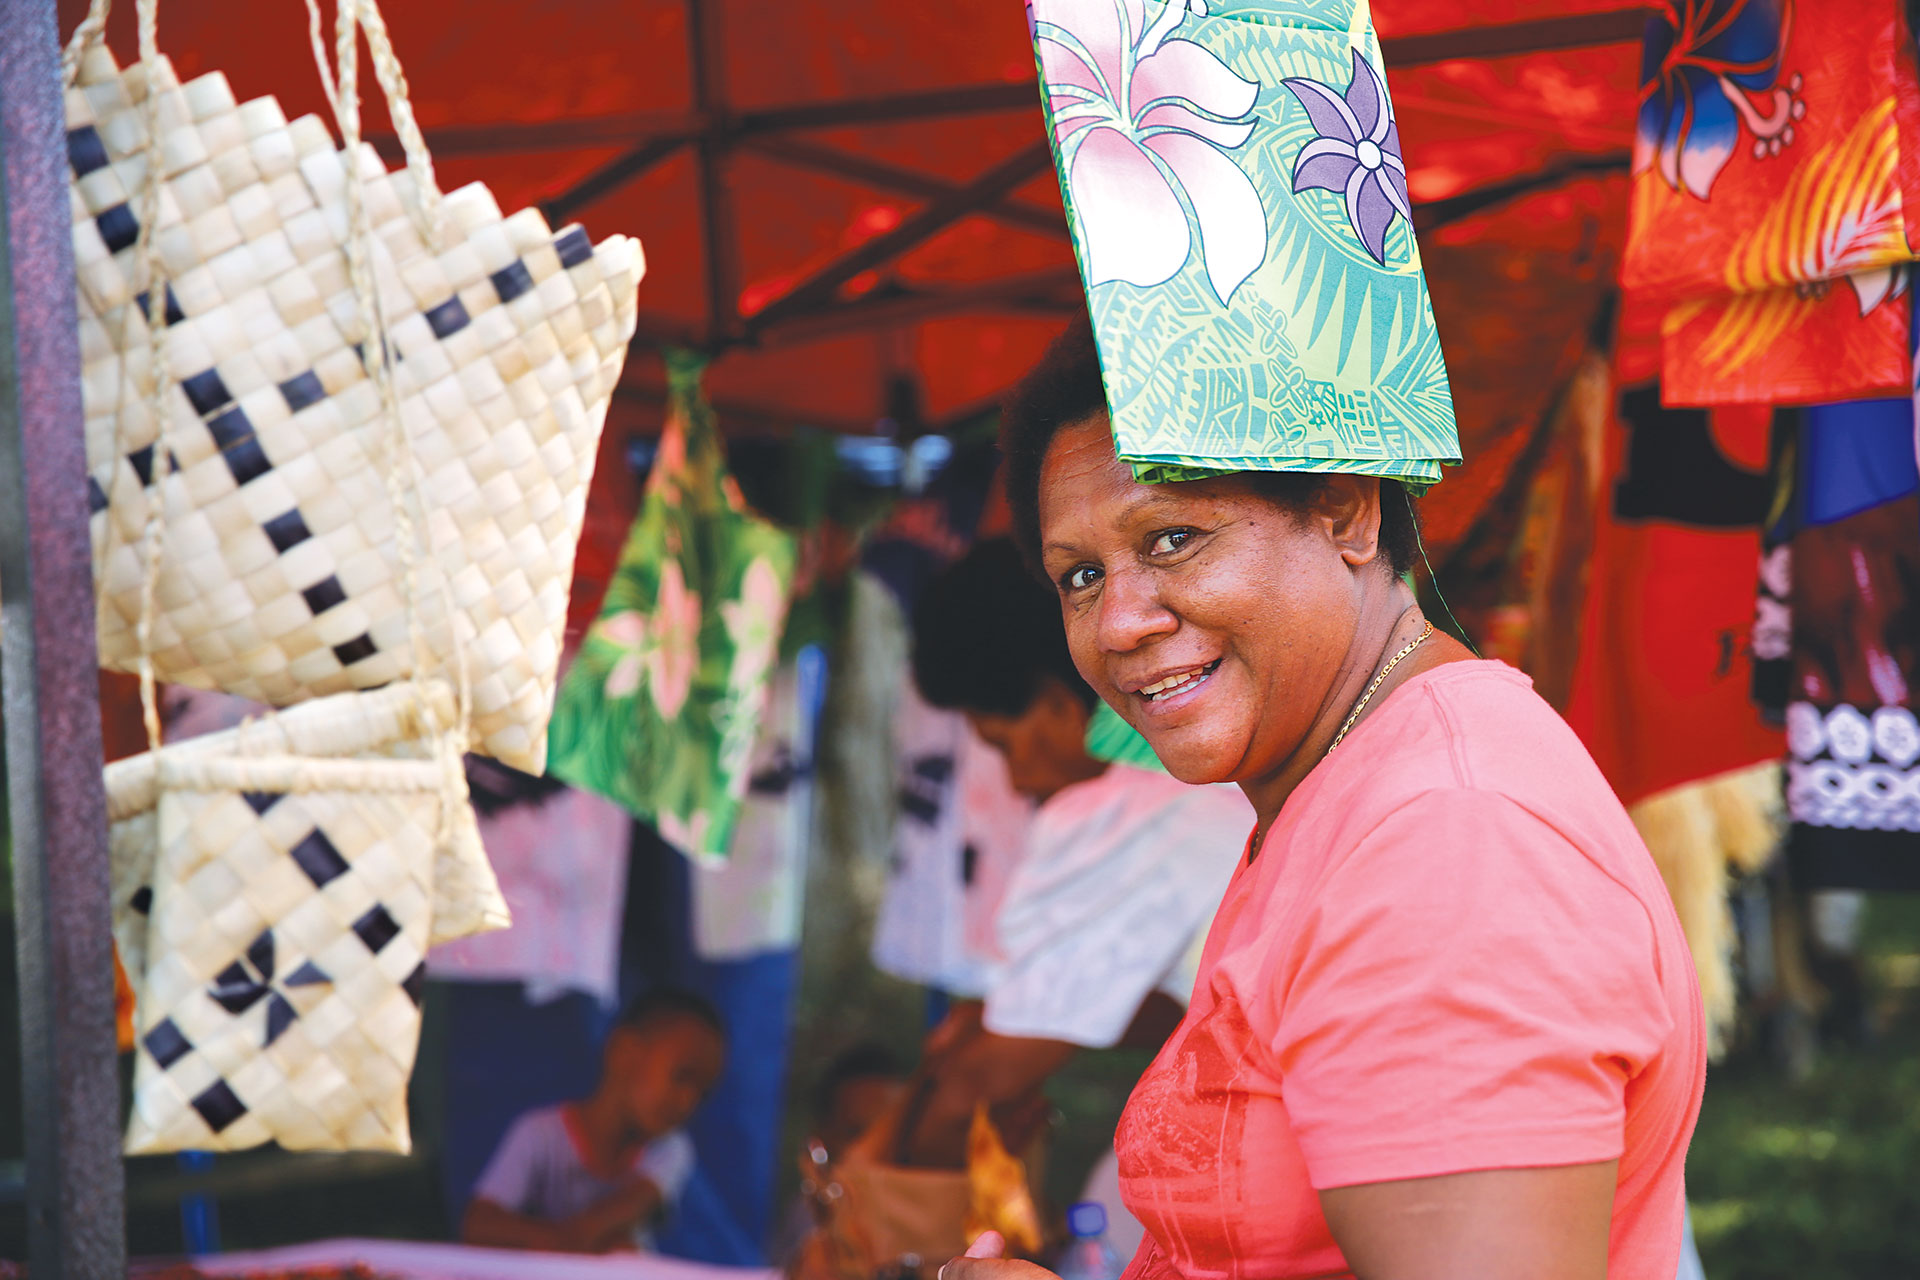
834, 196
852, 206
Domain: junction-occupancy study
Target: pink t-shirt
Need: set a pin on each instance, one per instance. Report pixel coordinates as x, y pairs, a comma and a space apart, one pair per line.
1453, 953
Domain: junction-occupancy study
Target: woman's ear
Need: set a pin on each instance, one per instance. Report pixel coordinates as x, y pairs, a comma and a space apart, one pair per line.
1348, 508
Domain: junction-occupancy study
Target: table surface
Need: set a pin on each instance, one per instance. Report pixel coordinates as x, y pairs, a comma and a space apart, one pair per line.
415, 1260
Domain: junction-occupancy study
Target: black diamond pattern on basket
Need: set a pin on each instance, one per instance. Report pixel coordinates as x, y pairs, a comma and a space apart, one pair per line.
307, 975
573, 246
118, 227
261, 801
247, 460
287, 530
416, 983
207, 391
85, 151
324, 595
302, 390
249, 980
358, 649
142, 900
318, 858
173, 316
141, 460
230, 428
96, 497
219, 1106
449, 318
376, 928
512, 281
166, 1043
242, 984
232, 431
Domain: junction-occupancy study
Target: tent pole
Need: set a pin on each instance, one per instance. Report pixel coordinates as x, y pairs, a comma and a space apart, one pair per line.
854, 167
818, 291
49, 690
706, 52
609, 177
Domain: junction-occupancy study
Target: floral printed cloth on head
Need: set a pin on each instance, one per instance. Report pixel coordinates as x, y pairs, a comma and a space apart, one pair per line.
1235, 186
661, 708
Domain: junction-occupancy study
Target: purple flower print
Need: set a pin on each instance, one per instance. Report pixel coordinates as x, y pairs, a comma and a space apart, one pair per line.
1357, 153
1141, 120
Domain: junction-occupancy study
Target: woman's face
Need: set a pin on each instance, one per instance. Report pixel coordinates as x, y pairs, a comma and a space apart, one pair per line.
1214, 620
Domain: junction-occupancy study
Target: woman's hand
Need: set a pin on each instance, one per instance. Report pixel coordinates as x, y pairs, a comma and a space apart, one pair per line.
986, 1260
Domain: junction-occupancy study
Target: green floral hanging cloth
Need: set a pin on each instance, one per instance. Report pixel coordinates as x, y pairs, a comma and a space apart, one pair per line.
663, 703
1235, 186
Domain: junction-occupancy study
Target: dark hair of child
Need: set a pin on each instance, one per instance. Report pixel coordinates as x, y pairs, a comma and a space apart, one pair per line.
863, 1061
985, 634
1065, 388
658, 1004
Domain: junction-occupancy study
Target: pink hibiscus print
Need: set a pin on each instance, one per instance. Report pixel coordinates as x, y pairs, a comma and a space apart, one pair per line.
1142, 120
1357, 153
674, 655
628, 631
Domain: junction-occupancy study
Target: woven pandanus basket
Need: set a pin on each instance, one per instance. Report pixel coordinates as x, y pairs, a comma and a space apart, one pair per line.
280, 575
363, 727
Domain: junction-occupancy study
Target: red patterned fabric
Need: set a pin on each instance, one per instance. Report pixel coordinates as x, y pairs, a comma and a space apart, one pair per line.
1776, 197
1794, 346
1661, 690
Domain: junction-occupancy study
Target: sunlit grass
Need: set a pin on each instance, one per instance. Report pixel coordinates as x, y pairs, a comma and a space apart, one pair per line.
1820, 1179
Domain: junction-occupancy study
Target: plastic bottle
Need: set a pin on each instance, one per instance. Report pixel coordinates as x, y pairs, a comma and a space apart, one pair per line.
1087, 1255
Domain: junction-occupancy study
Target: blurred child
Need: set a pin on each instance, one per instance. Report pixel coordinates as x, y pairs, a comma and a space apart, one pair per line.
593, 1176
855, 1089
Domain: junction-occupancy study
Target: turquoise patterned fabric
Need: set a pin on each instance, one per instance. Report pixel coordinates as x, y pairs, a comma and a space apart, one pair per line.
1234, 182
1112, 739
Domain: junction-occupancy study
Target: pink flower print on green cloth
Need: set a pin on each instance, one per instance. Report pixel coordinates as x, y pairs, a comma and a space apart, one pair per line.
675, 652
664, 700
625, 632
1237, 196
1147, 118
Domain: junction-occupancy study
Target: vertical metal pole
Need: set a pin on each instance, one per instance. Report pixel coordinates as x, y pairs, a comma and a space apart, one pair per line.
49, 691
707, 54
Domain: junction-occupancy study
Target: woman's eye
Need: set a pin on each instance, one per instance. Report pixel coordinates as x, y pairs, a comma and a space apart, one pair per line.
1170, 541
1082, 578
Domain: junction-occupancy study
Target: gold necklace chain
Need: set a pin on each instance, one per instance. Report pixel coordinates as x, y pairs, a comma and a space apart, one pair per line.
1361, 705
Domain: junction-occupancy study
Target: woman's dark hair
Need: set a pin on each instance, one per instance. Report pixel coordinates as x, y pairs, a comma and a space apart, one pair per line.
1065, 388
985, 634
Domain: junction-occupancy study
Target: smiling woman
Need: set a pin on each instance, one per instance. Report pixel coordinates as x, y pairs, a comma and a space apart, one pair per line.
1445, 1024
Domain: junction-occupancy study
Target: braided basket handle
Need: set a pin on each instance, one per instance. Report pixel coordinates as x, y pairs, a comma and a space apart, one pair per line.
363, 15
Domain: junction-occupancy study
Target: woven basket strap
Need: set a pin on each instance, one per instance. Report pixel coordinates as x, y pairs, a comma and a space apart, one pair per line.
159, 383
402, 469
399, 467
91, 29
378, 723
425, 209
298, 774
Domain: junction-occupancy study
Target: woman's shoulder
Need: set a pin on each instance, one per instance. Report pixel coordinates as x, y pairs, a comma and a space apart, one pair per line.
1474, 738
1478, 725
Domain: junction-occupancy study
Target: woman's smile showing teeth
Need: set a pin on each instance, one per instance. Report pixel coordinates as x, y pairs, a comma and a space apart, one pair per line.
1179, 682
